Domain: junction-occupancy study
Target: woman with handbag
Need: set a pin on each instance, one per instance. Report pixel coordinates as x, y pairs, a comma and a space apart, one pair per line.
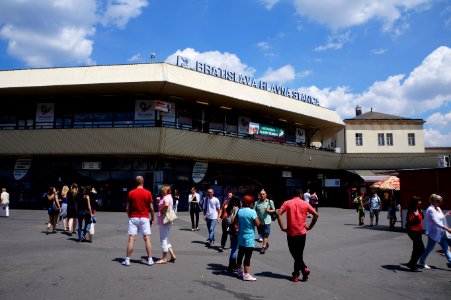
165, 204
232, 230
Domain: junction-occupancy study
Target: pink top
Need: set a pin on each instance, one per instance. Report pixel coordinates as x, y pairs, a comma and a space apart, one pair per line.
296, 210
168, 200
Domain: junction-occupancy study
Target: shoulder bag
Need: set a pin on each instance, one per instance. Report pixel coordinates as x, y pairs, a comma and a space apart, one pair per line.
169, 216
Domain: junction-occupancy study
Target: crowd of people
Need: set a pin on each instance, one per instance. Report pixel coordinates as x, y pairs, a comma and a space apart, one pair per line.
238, 219
71, 207
74, 208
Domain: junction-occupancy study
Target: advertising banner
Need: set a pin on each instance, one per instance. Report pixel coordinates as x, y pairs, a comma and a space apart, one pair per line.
199, 171
266, 132
144, 110
243, 125
45, 112
300, 136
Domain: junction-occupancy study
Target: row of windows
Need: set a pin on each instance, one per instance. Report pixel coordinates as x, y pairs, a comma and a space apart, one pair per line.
382, 138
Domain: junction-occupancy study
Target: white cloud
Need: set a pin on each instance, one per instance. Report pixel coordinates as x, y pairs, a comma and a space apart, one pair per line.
263, 45
435, 138
281, 75
427, 88
379, 51
135, 58
439, 120
269, 3
224, 60
335, 41
119, 12
339, 14
46, 33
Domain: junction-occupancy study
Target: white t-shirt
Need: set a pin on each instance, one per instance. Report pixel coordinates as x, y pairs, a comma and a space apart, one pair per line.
212, 206
5, 198
307, 197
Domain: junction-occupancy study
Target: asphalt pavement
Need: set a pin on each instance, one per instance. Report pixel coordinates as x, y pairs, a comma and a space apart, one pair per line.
346, 262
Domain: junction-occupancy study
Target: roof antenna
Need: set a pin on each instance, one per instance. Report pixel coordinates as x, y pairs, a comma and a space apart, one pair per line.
371, 109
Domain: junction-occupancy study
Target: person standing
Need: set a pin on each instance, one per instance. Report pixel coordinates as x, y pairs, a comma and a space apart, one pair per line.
211, 208
5, 201
391, 213
375, 207
314, 201
225, 220
63, 214
84, 213
176, 199
264, 207
247, 220
72, 198
414, 228
194, 208
139, 206
307, 196
296, 230
436, 228
166, 202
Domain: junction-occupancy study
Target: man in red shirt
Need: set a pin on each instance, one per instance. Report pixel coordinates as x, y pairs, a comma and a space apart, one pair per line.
296, 230
139, 205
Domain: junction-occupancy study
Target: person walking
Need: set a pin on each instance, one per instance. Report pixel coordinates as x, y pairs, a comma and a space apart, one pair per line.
84, 213
414, 228
73, 197
211, 208
139, 206
5, 201
53, 209
264, 207
296, 230
225, 221
360, 208
166, 202
436, 229
375, 207
247, 220
194, 208
62, 217
232, 209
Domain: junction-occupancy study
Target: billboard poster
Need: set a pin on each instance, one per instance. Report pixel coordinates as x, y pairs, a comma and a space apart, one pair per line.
144, 110
243, 125
169, 114
300, 136
266, 132
45, 112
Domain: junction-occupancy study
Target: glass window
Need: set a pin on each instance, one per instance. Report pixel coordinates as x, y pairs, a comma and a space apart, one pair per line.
358, 139
411, 139
380, 139
389, 139
185, 118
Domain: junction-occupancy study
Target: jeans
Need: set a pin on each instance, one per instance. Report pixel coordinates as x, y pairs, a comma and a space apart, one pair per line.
430, 245
296, 245
211, 225
83, 216
233, 247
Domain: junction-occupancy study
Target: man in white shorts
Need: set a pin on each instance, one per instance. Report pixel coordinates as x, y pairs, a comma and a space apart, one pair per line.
139, 206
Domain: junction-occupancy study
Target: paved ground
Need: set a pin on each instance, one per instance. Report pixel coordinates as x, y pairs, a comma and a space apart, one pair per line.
347, 262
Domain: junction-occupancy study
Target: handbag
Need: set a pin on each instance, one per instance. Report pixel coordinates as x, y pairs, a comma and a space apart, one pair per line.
169, 216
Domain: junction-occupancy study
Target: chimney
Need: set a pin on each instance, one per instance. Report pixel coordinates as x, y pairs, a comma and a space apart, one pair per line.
358, 111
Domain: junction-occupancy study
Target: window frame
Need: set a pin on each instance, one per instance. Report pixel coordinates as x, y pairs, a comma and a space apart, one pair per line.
359, 139
380, 139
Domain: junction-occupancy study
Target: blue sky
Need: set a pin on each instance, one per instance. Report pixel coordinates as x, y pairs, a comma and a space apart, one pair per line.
393, 56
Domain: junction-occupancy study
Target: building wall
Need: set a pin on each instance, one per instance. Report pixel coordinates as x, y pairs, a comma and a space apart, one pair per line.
370, 138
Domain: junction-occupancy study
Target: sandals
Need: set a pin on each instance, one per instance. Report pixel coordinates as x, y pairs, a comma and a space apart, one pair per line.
161, 262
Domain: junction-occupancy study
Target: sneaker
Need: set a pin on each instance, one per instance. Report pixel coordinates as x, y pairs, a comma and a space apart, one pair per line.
125, 262
239, 272
262, 250
424, 266
197, 229
260, 240
305, 274
248, 277
150, 262
295, 278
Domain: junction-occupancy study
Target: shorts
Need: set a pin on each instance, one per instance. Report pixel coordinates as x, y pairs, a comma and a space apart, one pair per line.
139, 226
264, 230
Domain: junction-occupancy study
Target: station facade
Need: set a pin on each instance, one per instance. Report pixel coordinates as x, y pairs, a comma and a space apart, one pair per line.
179, 124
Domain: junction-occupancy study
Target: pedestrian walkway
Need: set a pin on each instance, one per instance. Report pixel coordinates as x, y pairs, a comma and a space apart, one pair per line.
346, 262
